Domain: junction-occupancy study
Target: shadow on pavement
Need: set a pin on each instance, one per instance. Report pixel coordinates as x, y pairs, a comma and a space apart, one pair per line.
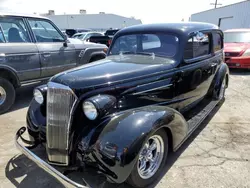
239, 72
33, 176
24, 96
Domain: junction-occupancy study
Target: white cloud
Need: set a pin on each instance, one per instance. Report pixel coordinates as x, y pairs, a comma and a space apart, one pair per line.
147, 10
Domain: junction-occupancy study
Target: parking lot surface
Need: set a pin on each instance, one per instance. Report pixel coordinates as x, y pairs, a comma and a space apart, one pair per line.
216, 155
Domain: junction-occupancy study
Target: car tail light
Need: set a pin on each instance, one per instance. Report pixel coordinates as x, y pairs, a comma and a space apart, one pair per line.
246, 53
109, 42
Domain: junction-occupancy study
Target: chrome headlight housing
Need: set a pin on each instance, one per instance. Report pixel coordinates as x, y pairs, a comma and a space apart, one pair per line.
38, 96
90, 110
98, 106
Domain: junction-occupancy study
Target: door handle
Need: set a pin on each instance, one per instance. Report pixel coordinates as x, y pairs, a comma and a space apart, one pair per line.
213, 64
46, 55
179, 76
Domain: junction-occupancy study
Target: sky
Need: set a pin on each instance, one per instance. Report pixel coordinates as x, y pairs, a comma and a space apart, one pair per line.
149, 11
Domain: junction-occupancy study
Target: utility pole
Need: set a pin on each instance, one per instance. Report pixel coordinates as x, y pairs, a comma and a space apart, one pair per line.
215, 4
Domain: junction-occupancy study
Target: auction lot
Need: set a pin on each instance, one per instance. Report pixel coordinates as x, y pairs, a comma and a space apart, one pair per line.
216, 155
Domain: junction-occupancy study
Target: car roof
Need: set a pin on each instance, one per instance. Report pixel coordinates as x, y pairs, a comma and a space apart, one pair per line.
181, 28
238, 30
22, 15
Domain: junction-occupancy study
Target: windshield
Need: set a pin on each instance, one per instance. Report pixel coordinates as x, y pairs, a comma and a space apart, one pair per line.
232, 37
146, 44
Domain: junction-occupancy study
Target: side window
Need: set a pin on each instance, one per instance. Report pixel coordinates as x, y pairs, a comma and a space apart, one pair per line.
150, 41
217, 42
197, 46
44, 31
14, 30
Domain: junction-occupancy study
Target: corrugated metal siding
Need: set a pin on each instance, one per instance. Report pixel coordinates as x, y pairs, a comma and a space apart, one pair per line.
92, 21
239, 12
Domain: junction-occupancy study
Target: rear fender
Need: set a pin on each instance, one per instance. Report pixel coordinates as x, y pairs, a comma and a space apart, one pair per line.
219, 76
120, 140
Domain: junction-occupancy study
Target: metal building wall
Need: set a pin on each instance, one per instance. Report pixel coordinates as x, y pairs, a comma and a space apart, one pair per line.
92, 21
231, 16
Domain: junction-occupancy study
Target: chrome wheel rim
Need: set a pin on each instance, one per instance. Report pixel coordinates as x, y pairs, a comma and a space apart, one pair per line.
2, 95
222, 89
150, 157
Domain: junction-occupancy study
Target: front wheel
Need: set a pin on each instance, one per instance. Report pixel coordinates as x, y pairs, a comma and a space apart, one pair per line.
151, 160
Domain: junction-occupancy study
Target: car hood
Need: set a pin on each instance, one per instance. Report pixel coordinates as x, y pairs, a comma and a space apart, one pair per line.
113, 70
236, 47
79, 44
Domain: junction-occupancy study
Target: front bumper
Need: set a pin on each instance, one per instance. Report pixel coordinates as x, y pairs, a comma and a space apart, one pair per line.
42, 164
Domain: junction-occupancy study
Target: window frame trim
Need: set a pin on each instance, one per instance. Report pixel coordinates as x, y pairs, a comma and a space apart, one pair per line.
46, 20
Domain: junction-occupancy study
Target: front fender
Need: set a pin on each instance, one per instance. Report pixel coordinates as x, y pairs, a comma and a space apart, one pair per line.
89, 53
120, 139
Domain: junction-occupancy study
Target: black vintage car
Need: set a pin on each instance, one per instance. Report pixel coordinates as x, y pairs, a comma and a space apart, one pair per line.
124, 114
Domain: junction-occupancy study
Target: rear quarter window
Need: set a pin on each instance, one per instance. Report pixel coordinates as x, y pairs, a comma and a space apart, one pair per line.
197, 46
217, 42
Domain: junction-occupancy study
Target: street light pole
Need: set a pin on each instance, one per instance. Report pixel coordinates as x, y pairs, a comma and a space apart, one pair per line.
215, 4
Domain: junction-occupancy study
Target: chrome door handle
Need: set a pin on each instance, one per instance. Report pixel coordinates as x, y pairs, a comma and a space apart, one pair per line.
213, 64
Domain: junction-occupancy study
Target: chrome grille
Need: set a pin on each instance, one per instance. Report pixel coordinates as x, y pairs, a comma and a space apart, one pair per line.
60, 101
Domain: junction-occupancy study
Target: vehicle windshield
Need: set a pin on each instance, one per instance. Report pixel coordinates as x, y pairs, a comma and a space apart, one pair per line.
235, 37
162, 45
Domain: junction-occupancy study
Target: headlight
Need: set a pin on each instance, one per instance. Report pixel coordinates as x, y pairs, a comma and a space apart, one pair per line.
38, 96
246, 53
98, 105
90, 110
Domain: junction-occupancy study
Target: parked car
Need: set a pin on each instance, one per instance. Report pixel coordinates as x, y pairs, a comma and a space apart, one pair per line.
237, 48
124, 114
33, 49
85, 36
71, 32
106, 39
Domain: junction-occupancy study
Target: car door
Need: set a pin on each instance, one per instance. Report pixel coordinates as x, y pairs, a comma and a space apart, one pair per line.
196, 72
17, 50
54, 55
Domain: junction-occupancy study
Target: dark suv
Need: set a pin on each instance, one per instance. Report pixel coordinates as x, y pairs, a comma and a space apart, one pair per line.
32, 48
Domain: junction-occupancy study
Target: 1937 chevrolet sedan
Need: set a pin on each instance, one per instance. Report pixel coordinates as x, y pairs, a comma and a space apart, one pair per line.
122, 115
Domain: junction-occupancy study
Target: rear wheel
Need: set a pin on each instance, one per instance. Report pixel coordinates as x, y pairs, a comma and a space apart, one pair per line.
7, 95
220, 95
151, 160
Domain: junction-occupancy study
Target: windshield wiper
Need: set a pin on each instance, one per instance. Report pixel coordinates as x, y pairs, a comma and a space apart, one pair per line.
140, 53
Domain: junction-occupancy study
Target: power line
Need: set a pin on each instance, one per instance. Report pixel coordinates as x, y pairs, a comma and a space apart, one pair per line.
215, 4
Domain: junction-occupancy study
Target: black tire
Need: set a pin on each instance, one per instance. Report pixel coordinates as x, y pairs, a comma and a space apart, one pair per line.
96, 58
10, 95
136, 180
220, 94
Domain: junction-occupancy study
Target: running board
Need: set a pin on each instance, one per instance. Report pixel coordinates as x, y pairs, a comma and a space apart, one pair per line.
195, 121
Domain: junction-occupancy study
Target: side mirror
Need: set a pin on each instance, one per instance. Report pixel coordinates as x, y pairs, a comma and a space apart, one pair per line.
65, 43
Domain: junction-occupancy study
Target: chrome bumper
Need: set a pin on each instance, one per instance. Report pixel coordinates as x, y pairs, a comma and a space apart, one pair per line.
42, 164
